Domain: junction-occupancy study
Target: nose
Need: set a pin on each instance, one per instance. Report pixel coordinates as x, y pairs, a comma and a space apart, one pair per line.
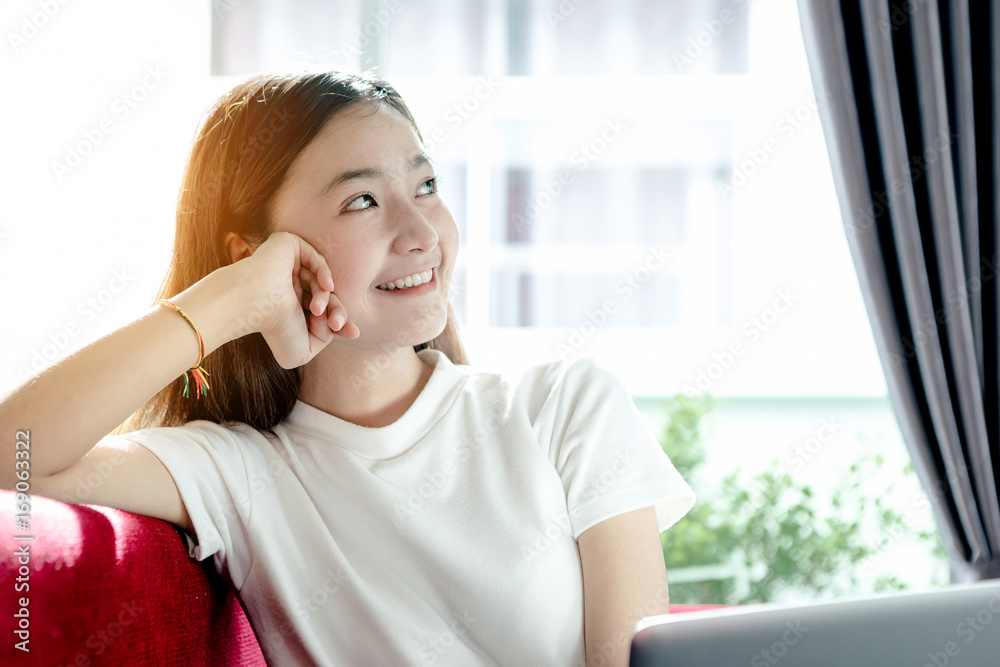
414, 232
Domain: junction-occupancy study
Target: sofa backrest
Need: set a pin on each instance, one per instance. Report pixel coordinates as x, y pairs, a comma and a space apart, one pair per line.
97, 585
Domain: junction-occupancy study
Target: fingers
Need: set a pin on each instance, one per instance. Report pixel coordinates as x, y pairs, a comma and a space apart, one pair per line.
327, 308
319, 329
324, 310
318, 301
337, 319
315, 273
311, 259
315, 297
350, 330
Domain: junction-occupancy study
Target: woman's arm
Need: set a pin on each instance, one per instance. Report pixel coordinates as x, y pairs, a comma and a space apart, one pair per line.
69, 407
80, 399
624, 580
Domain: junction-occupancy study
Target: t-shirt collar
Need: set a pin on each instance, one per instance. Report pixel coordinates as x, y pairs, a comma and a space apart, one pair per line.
384, 442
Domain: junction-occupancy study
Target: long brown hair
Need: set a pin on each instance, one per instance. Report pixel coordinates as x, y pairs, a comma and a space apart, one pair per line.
238, 162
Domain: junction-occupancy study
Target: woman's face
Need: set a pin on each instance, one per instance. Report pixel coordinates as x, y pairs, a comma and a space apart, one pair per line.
363, 193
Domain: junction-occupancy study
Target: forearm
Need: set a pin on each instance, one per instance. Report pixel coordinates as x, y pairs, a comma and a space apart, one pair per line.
70, 406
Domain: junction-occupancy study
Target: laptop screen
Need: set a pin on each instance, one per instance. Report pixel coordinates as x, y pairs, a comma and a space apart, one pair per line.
956, 626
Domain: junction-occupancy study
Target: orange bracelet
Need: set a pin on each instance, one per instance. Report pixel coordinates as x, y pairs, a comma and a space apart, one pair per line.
200, 383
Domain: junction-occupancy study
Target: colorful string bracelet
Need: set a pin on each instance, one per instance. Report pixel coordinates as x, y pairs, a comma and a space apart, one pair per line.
199, 373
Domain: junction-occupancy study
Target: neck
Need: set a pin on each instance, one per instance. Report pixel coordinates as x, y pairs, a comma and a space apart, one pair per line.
368, 390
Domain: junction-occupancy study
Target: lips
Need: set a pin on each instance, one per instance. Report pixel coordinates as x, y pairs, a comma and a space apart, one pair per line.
412, 280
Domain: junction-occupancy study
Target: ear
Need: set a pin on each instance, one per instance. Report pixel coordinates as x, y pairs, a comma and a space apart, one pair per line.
236, 247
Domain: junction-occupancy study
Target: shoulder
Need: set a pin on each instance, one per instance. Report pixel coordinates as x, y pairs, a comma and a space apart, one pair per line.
571, 379
547, 385
228, 440
203, 429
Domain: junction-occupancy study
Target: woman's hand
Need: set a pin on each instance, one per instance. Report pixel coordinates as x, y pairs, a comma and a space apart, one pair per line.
298, 314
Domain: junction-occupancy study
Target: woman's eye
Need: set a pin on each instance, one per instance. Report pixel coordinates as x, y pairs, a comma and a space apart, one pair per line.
360, 203
428, 187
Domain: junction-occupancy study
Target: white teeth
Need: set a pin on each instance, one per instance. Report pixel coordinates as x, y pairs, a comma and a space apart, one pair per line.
408, 281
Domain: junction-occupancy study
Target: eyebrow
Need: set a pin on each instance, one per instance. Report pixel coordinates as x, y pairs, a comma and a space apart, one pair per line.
371, 173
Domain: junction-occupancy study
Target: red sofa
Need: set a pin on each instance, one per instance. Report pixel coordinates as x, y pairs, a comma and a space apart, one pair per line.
109, 587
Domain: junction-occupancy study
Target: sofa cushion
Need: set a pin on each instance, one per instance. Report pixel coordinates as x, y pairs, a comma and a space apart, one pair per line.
107, 586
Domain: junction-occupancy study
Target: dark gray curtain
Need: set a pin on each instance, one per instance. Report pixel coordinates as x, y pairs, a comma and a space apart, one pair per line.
911, 119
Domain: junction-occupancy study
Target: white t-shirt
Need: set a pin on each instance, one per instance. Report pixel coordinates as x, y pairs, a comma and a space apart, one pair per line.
445, 538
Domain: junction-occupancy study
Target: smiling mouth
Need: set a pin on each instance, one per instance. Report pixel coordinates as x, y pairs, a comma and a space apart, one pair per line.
407, 282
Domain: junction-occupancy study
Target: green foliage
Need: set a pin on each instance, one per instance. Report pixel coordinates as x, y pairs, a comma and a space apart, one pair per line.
682, 433
779, 532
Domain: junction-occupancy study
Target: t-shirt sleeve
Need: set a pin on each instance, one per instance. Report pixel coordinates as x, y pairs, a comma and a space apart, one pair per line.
609, 461
208, 465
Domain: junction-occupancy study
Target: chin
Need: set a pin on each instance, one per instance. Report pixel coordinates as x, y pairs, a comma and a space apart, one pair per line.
431, 333
420, 331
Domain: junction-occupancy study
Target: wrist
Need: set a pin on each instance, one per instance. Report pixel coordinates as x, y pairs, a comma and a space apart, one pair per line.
214, 306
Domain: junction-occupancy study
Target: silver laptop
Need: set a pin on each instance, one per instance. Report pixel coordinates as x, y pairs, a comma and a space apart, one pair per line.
955, 626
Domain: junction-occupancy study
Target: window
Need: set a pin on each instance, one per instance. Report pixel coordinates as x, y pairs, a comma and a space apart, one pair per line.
665, 158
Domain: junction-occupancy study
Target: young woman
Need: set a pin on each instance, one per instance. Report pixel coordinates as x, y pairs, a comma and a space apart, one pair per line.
301, 406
